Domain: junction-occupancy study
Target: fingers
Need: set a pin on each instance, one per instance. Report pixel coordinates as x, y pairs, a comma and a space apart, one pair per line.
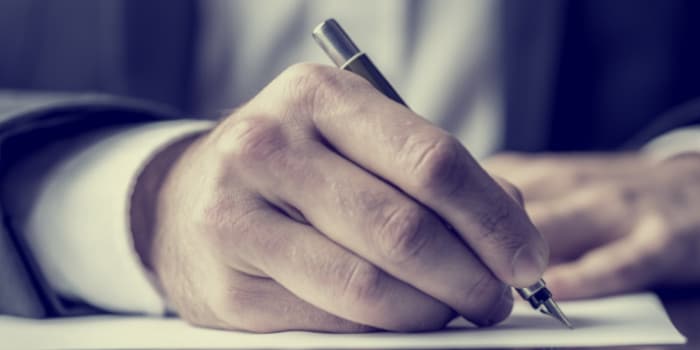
582, 220
386, 205
333, 279
382, 225
628, 264
261, 305
434, 168
546, 176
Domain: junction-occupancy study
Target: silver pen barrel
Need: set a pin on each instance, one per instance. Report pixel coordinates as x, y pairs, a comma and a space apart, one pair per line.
331, 37
345, 54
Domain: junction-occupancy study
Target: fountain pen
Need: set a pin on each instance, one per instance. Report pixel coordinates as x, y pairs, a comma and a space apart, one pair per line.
345, 55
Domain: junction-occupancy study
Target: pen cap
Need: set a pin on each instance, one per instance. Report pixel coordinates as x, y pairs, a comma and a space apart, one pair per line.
335, 42
346, 55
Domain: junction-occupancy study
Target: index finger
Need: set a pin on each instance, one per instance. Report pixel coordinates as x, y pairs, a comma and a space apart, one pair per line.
430, 165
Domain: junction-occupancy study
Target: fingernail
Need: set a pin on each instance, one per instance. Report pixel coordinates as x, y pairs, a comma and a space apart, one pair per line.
528, 265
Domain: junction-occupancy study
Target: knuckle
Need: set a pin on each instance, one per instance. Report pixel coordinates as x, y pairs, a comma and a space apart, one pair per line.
238, 303
307, 72
251, 139
224, 217
242, 309
402, 235
233, 311
437, 165
602, 202
311, 85
237, 231
362, 283
628, 196
365, 292
319, 91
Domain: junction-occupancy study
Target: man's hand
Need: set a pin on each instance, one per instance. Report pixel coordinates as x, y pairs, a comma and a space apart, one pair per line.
615, 223
323, 205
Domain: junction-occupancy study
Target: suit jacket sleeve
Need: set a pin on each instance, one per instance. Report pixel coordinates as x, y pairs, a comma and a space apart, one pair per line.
29, 120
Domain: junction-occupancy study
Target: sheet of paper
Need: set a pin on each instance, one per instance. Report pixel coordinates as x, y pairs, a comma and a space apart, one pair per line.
625, 320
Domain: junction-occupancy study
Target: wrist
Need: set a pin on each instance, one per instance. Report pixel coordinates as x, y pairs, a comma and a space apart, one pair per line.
147, 188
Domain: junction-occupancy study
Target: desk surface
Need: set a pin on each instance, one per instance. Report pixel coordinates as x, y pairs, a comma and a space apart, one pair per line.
683, 308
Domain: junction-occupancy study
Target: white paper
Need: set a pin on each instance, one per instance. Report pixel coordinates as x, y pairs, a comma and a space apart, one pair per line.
625, 320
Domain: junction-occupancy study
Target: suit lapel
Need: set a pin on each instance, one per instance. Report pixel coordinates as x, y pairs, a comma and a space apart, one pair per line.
530, 37
17, 293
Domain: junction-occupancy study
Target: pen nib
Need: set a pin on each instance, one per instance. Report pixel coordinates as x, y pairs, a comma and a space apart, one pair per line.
540, 298
551, 308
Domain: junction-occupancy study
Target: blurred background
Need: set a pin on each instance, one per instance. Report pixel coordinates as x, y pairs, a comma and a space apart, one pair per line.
521, 75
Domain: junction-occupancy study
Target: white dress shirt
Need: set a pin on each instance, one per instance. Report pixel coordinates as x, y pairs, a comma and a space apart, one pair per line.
675, 142
78, 226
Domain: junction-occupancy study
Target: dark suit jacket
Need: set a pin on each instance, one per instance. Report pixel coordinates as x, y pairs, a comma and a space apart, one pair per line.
579, 75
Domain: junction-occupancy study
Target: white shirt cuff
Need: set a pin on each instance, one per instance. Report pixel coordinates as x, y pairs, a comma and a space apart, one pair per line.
674, 143
79, 228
